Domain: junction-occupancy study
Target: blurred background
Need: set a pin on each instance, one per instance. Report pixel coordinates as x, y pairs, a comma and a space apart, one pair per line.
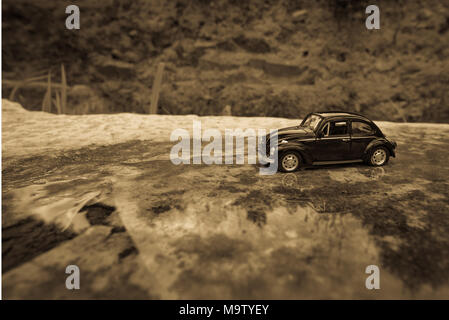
242, 57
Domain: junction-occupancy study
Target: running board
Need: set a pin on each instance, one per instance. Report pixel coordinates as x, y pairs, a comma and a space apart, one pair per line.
320, 163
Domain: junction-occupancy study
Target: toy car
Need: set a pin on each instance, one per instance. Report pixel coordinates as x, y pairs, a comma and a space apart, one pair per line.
332, 137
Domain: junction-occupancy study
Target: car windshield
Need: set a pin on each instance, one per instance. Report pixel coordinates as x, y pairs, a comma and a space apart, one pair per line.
311, 122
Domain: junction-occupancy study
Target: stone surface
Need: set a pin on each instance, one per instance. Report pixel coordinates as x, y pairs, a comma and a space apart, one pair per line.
150, 229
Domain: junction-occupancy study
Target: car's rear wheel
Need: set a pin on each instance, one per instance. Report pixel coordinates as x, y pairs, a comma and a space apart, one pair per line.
379, 156
290, 161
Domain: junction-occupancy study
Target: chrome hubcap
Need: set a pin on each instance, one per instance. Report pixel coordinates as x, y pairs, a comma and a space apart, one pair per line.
290, 162
379, 156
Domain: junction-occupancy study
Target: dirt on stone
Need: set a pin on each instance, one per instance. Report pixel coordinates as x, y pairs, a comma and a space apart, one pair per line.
132, 219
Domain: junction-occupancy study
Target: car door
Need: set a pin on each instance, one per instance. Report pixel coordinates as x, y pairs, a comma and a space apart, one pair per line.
362, 133
333, 143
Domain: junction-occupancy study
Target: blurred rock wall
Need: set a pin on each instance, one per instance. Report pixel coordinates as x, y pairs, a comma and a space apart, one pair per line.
262, 58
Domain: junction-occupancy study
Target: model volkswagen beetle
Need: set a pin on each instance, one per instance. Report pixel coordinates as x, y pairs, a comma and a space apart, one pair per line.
332, 137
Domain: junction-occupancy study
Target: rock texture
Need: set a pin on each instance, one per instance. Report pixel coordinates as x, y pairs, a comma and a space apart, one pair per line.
263, 58
140, 227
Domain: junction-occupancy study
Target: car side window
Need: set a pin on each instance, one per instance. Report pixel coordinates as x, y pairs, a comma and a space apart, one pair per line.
337, 128
361, 129
325, 130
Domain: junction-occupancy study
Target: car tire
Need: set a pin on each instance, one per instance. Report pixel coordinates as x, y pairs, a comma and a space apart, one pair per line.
289, 161
378, 156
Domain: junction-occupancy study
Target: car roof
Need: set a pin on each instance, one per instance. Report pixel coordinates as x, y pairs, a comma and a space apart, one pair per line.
341, 114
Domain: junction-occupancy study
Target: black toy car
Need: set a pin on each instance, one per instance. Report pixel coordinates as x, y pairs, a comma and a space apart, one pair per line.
332, 137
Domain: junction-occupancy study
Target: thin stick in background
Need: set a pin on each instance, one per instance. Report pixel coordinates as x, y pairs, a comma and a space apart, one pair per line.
57, 102
46, 103
63, 90
156, 88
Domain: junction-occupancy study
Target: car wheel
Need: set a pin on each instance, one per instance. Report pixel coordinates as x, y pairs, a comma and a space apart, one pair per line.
379, 156
290, 161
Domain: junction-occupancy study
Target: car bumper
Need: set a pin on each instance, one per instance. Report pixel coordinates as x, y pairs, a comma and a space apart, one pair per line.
394, 145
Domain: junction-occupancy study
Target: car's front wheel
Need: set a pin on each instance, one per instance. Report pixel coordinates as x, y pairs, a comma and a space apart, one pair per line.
379, 156
290, 161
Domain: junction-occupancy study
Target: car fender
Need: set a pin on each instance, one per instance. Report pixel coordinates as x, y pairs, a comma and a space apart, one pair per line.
298, 147
379, 142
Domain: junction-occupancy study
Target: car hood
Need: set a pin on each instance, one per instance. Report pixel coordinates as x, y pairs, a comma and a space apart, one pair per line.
293, 133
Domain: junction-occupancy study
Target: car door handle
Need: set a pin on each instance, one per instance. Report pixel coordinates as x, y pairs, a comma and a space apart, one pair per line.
346, 140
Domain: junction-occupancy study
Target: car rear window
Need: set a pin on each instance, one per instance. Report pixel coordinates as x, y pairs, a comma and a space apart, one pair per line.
361, 129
